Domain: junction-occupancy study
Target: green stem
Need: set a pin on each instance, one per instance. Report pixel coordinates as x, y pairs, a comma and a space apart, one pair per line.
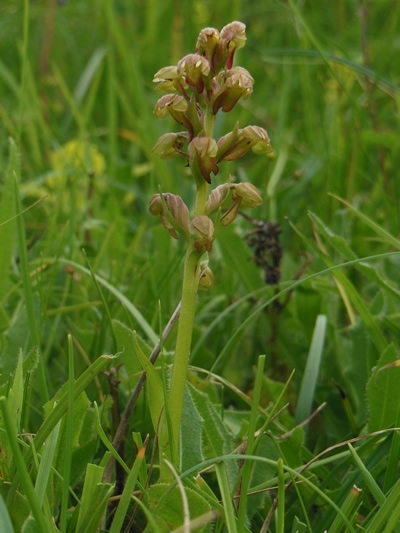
170, 426
201, 196
201, 184
209, 122
182, 351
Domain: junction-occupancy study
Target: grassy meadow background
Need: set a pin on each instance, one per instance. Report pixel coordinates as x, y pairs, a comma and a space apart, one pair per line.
83, 263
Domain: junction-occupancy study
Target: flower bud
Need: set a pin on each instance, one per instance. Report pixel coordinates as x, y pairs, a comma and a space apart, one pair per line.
172, 211
195, 68
248, 193
202, 152
178, 210
156, 205
217, 197
234, 84
170, 145
206, 280
201, 230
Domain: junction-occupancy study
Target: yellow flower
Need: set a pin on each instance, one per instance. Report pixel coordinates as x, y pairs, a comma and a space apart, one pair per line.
78, 156
80, 161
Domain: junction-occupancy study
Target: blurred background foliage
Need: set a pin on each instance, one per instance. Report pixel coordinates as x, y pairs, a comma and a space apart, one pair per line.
76, 93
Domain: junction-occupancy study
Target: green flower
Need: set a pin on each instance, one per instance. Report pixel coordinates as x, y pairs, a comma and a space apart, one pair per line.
195, 69
201, 230
234, 84
172, 211
170, 80
170, 145
233, 37
239, 141
248, 193
202, 152
173, 105
207, 45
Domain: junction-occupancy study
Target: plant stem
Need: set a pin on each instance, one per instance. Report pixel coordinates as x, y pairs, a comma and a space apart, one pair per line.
169, 431
182, 350
201, 196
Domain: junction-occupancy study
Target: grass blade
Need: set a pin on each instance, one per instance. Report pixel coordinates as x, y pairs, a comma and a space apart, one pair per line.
388, 515
229, 510
384, 234
142, 322
247, 467
308, 384
368, 478
348, 508
43, 521
130, 483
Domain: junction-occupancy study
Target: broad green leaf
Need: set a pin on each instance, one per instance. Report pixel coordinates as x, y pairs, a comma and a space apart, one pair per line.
218, 439
31, 360
291, 448
81, 456
298, 527
168, 510
191, 433
30, 526
5, 520
18, 506
383, 391
126, 349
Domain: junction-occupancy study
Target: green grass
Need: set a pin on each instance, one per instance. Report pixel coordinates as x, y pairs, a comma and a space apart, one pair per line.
84, 265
